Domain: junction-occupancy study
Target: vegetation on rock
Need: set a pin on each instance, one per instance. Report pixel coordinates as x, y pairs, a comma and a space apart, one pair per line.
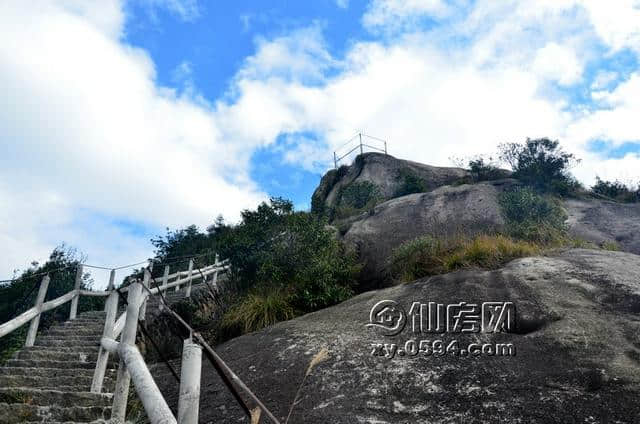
533, 217
410, 183
617, 191
541, 164
427, 255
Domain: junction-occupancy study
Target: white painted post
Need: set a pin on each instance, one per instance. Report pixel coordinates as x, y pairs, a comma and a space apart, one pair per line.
165, 281
121, 392
35, 322
189, 277
110, 287
74, 301
189, 400
145, 283
111, 308
215, 274
148, 392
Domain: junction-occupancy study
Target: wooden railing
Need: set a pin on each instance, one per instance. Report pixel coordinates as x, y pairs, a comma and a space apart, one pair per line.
33, 315
132, 366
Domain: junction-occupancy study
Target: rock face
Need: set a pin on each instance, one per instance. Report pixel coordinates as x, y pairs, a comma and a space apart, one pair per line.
465, 209
576, 339
385, 172
600, 221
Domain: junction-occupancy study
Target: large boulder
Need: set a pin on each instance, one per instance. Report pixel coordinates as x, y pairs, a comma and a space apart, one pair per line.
576, 338
466, 209
601, 221
385, 172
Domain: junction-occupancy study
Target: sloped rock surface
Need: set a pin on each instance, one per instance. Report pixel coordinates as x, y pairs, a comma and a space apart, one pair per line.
600, 221
384, 171
465, 209
576, 338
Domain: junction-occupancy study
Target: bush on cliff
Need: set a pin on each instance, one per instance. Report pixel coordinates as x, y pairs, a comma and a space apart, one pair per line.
276, 252
617, 191
541, 164
533, 217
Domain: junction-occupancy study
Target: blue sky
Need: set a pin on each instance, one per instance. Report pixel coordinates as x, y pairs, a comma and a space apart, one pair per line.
123, 117
211, 45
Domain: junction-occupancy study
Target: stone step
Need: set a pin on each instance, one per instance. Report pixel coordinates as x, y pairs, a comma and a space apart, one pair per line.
70, 383
20, 413
53, 372
39, 363
58, 398
71, 332
68, 341
99, 327
84, 349
54, 355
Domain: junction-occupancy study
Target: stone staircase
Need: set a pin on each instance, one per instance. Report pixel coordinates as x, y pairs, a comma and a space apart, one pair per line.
51, 381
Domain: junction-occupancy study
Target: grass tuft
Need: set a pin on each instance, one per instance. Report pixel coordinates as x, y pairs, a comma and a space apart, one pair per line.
427, 255
258, 310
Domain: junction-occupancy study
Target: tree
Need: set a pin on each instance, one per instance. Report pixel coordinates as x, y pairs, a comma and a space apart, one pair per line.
541, 164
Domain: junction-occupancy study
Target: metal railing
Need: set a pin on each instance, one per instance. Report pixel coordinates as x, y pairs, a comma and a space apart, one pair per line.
360, 145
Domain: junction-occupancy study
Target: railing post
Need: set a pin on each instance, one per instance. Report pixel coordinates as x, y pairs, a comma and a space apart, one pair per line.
165, 281
35, 322
215, 274
145, 283
189, 399
188, 291
121, 392
111, 308
74, 301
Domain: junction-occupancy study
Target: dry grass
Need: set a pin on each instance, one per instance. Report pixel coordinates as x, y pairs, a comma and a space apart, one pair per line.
427, 256
258, 310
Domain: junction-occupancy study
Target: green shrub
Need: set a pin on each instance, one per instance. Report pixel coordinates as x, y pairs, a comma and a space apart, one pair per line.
359, 194
258, 310
542, 165
610, 245
275, 249
409, 183
419, 257
356, 198
482, 169
533, 217
427, 255
617, 191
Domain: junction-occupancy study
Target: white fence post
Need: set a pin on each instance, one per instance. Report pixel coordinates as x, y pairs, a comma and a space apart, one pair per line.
74, 301
189, 277
35, 322
145, 283
189, 400
111, 308
121, 392
165, 281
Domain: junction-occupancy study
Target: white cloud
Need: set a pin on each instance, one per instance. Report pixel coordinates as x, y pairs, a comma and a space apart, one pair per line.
434, 98
187, 10
558, 63
395, 14
343, 4
98, 136
86, 131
